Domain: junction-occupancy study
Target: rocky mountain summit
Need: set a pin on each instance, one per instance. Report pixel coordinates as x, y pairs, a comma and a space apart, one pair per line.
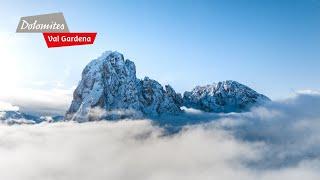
109, 89
226, 96
110, 83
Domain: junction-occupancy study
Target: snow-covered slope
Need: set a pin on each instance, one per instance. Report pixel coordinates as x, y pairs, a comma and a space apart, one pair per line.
226, 96
110, 83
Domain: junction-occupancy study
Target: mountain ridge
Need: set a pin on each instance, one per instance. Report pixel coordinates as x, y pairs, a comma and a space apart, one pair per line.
17, 117
110, 83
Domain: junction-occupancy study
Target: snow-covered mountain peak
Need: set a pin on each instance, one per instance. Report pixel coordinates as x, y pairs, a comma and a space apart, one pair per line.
105, 54
110, 83
225, 96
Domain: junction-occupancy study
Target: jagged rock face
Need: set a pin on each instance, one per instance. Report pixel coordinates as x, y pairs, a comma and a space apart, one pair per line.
157, 100
110, 83
226, 96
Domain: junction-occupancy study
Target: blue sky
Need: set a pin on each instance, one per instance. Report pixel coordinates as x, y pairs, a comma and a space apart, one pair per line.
269, 45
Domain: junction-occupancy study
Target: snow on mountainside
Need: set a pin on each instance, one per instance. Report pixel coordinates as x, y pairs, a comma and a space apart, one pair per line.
109, 89
17, 117
110, 83
226, 96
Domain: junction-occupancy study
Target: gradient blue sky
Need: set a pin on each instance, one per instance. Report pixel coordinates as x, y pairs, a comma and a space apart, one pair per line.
269, 45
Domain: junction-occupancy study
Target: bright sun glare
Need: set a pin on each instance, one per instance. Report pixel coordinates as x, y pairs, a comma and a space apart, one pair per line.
9, 73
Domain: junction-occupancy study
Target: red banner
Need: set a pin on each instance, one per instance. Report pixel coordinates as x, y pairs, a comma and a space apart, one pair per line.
68, 39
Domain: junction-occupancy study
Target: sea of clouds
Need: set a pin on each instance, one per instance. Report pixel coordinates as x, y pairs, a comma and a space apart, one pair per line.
278, 141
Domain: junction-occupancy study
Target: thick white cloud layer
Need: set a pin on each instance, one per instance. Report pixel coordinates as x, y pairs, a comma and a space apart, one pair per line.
5, 106
37, 101
279, 141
